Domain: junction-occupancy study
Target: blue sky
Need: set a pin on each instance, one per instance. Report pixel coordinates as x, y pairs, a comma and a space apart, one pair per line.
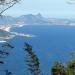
48, 8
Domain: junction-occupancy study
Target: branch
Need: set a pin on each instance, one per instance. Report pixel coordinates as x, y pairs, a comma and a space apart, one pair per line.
7, 8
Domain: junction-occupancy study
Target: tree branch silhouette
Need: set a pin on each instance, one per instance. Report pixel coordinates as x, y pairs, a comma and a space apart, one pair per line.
6, 4
32, 60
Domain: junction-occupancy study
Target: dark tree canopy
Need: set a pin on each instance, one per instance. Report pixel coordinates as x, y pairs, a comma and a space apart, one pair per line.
6, 4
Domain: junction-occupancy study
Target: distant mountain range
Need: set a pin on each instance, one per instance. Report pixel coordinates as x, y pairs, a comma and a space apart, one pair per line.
34, 20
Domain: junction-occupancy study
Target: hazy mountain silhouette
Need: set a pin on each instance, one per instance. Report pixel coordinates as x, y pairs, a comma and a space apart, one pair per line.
31, 19
24, 19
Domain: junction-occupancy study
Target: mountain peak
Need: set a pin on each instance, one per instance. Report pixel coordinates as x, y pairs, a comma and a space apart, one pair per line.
39, 15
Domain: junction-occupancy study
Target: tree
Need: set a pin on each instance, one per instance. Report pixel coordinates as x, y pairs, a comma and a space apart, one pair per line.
71, 67
7, 72
58, 69
32, 60
6, 4
4, 52
66, 69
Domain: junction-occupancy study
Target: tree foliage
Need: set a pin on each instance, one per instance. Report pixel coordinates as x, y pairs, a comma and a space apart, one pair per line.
60, 69
6, 4
4, 52
32, 60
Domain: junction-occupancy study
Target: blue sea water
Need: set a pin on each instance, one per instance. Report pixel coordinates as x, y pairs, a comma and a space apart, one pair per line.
52, 43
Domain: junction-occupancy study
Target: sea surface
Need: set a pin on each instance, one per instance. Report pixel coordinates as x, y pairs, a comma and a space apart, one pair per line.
50, 44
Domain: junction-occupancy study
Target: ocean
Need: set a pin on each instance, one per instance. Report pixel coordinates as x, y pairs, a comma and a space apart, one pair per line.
50, 44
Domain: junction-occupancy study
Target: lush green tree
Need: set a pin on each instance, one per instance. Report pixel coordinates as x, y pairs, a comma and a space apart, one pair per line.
71, 67
58, 69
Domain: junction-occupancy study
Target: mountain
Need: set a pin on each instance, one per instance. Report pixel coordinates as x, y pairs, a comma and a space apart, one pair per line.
34, 20
6, 20
24, 19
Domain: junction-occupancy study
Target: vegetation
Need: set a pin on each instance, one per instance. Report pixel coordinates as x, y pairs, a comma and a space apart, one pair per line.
68, 68
63, 69
4, 52
32, 60
6, 4
57, 68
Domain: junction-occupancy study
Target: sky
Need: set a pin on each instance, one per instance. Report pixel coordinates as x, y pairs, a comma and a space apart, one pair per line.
48, 8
